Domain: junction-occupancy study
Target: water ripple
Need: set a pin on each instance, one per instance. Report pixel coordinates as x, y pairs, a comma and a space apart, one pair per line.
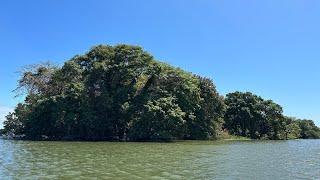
297, 159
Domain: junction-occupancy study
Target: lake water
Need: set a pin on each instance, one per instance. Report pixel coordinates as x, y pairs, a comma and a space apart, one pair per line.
297, 159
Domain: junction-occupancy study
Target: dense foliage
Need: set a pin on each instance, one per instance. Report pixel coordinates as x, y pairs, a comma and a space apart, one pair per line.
251, 116
115, 92
122, 93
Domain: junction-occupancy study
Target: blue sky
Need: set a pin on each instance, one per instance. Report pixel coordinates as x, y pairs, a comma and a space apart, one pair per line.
271, 48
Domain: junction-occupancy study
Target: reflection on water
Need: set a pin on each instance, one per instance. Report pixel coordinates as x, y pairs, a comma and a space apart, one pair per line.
298, 159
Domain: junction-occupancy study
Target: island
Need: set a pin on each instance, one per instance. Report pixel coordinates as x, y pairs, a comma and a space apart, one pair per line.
121, 93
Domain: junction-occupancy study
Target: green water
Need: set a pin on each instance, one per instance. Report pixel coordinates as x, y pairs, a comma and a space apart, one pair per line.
298, 159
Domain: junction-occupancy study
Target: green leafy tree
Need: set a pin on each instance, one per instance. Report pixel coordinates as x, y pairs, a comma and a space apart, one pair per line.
122, 93
308, 129
15, 121
251, 116
292, 129
161, 119
209, 115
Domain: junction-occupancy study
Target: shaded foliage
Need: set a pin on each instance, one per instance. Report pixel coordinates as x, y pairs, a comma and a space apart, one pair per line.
116, 92
251, 116
122, 93
308, 129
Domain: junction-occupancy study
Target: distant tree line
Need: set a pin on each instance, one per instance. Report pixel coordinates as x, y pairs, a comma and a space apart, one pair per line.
122, 93
251, 116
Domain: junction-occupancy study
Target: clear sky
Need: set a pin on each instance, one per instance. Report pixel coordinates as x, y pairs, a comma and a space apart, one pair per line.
271, 47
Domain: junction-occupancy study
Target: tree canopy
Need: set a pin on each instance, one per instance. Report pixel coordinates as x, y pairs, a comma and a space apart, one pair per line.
251, 116
115, 92
122, 93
